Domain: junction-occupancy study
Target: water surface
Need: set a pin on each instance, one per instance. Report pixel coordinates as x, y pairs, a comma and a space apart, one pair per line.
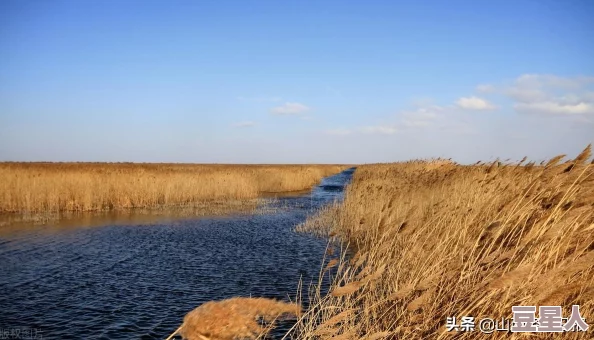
137, 280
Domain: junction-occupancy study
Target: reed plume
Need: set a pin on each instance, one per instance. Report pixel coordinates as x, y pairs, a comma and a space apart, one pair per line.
433, 240
234, 318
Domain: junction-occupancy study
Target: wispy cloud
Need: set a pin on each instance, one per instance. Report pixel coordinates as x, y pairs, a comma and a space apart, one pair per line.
422, 117
550, 94
427, 117
552, 81
540, 94
290, 109
555, 107
245, 124
474, 103
485, 88
260, 99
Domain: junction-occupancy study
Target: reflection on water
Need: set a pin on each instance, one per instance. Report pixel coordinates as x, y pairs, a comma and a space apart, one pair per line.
13, 224
138, 275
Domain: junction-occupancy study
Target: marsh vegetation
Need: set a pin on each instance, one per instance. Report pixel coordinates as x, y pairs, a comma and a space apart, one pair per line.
411, 244
37, 188
434, 239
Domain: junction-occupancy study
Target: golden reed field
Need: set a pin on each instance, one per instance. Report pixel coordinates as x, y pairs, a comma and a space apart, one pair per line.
29, 188
424, 240
435, 239
428, 240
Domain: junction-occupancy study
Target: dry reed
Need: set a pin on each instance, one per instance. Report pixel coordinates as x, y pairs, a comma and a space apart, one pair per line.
30, 188
434, 239
235, 318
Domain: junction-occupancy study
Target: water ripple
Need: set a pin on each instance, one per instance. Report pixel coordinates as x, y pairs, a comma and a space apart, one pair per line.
138, 281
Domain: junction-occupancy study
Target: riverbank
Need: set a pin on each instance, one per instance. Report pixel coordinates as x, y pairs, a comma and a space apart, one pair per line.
435, 239
34, 189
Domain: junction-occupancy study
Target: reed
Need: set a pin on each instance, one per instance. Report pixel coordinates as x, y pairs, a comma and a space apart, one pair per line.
234, 318
434, 239
30, 188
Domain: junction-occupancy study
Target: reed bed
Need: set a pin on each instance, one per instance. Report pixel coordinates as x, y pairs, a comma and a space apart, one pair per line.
434, 239
32, 188
235, 318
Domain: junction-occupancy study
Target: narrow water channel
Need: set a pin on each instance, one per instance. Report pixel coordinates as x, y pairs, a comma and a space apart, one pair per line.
137, 281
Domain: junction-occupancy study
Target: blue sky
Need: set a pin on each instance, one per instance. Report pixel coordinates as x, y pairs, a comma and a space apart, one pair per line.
294, 81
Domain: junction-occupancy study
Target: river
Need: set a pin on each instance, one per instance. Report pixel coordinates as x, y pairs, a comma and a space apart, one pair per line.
137, 280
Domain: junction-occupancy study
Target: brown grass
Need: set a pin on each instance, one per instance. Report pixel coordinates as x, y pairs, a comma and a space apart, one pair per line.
235, 318
433, 239
29, 188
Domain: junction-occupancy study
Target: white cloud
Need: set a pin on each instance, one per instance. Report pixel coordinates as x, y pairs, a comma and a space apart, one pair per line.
555, 107
551, 95
540, 94
474, 103
421, 117
339, 132
244, 124
290, 109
